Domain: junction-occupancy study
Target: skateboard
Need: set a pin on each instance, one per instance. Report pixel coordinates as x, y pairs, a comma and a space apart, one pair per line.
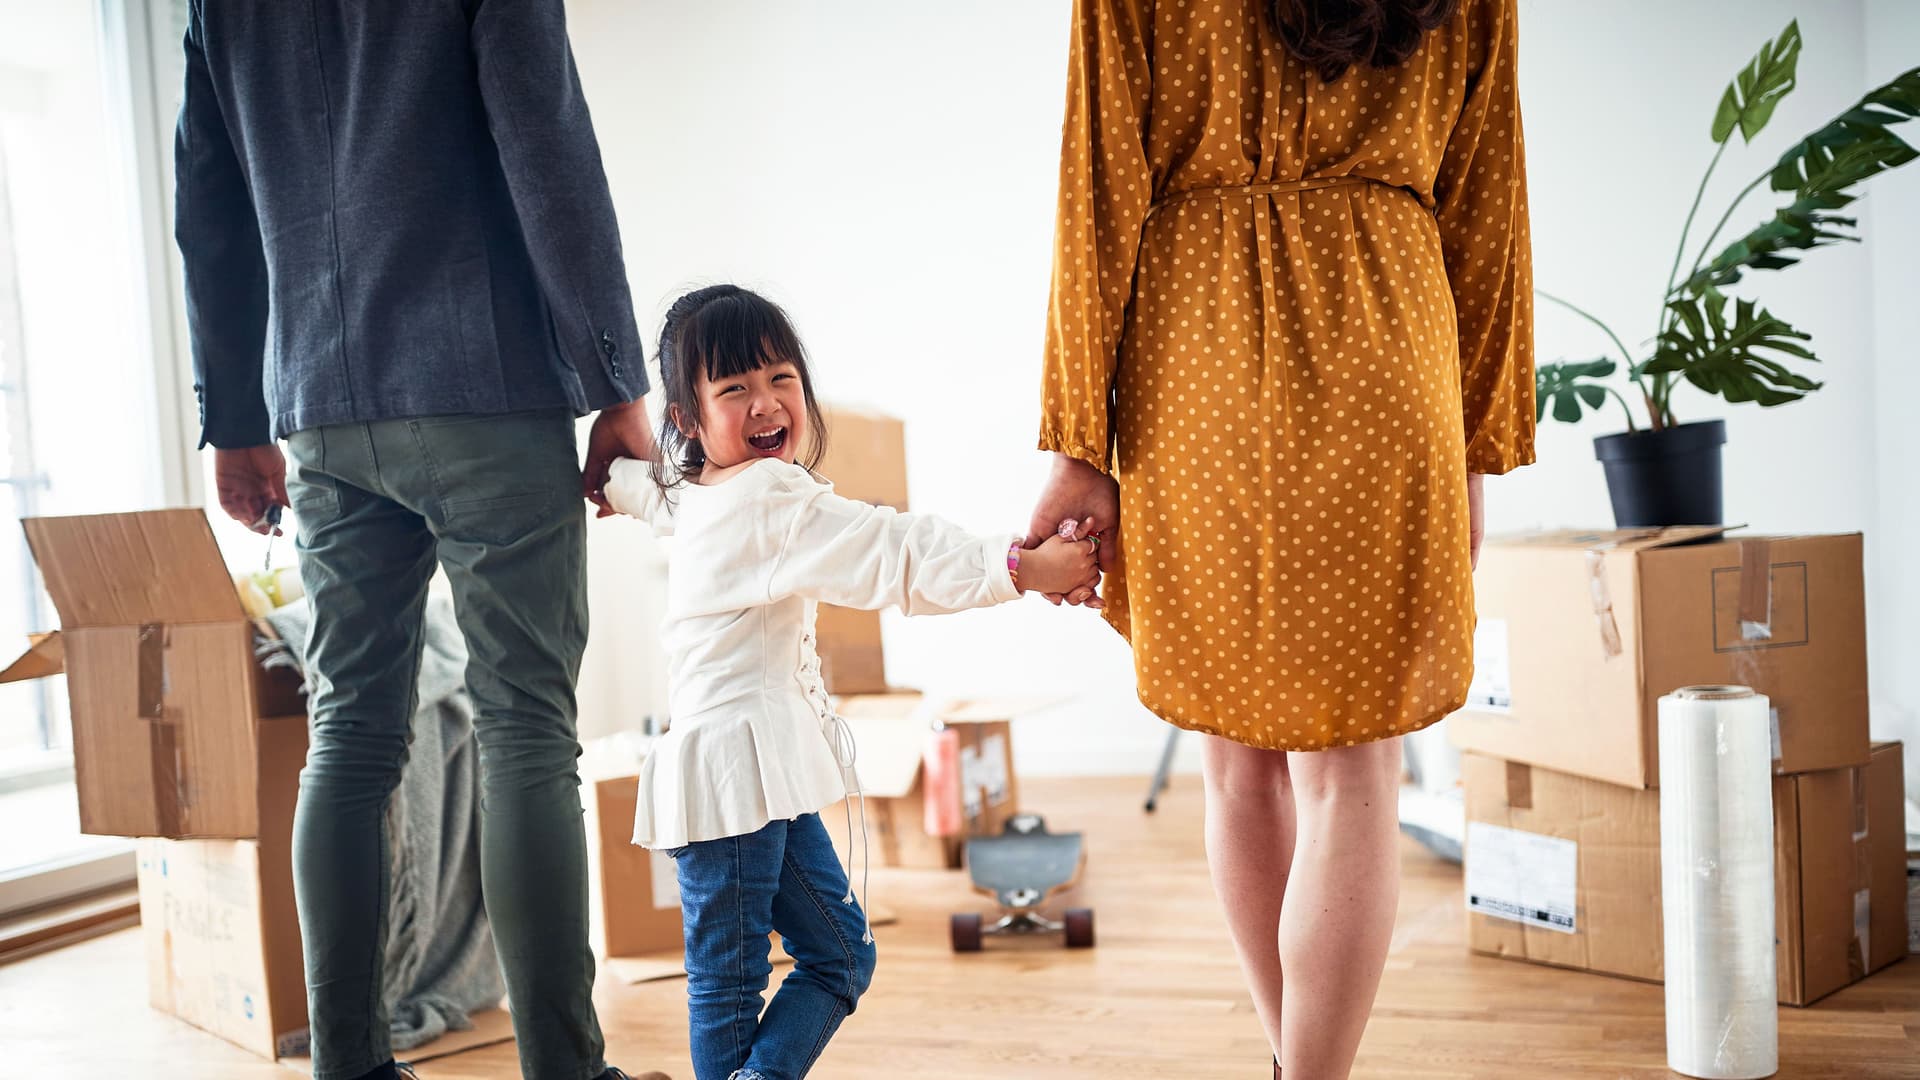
1021, 869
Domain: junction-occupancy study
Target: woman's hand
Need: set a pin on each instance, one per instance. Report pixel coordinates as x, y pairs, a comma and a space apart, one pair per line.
1078, 491
1476, 514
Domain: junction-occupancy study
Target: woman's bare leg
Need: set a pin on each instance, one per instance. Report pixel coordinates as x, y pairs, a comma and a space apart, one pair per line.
1250, 846
1338, 918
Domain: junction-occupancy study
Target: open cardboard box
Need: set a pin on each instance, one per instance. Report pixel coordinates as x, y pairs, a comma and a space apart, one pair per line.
890, 733
165, 688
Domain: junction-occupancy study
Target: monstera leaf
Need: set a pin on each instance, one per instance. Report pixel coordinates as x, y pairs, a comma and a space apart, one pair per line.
1807, 223
1855, 146
1752, 95
1560, 385
1726, 357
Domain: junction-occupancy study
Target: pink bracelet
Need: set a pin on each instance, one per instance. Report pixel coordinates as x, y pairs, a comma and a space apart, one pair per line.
1013, 561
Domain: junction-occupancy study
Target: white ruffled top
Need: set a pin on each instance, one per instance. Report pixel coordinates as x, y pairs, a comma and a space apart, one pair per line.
753, 737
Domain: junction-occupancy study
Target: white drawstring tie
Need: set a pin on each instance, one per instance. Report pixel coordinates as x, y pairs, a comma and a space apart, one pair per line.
846, 752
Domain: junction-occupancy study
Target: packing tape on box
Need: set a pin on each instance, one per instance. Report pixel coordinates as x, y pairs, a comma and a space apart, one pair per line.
1716, 883
163, 750
1756, 590
1602, 602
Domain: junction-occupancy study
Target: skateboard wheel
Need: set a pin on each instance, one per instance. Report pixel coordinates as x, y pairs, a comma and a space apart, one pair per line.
1079, 928
966, 932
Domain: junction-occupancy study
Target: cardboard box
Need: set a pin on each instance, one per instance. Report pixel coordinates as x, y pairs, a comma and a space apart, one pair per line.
866, 456
852, 657
1581, 634
1572, 867
161, 673
222, 934
866, 460
634, 908
890, 731
638, 898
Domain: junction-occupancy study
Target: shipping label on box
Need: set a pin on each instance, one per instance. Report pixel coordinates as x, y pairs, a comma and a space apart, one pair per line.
1492, 687
1522, 876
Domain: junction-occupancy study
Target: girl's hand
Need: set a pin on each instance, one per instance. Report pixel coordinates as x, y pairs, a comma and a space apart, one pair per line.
1059, 566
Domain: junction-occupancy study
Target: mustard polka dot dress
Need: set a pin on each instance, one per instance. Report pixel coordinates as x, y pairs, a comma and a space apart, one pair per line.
1290, 316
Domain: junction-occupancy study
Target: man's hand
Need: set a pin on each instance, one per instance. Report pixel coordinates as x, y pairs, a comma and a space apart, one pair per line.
1476, 515
619, 431
249, 482
1081, 492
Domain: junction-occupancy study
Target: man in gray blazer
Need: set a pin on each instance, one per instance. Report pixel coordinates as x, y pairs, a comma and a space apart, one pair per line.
401, 258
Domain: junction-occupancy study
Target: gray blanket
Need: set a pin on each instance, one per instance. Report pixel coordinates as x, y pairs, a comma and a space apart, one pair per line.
440, 964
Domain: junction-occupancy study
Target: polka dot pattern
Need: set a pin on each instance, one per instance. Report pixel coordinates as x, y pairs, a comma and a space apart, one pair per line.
1292, 386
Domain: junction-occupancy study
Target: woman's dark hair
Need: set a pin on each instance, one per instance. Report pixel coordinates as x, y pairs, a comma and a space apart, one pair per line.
723, 331
1331, 36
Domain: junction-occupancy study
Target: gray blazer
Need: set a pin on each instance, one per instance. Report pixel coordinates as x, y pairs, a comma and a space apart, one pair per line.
393, 209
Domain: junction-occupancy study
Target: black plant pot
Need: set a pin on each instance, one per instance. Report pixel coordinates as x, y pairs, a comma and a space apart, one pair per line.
1667, 477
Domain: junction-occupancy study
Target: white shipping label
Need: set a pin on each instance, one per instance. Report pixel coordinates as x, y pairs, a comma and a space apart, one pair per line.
993, 768
1522, 876
1492, 687
1913, 907
970, 782
666, 880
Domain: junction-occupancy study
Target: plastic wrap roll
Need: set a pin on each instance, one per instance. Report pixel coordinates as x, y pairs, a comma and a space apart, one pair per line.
1716, 883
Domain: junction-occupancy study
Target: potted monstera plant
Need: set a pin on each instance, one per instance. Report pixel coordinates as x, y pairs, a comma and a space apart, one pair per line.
1665, 472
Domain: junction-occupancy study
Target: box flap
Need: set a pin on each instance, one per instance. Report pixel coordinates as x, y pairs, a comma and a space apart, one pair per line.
888, 754
1612, 539
157, 566
46, 655
897, 704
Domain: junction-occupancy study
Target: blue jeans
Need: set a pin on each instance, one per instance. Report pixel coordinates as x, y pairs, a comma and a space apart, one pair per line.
736, 891
495, 500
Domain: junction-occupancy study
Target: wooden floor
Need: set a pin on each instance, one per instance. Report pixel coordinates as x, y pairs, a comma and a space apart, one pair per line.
1159, 997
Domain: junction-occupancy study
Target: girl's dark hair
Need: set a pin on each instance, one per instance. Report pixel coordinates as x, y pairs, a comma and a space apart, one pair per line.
1331, 36
722, 331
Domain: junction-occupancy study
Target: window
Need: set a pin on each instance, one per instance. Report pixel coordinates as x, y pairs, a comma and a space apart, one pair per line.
88, 374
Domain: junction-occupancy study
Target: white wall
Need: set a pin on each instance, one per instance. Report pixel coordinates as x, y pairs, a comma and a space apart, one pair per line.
887, 171
1892, 218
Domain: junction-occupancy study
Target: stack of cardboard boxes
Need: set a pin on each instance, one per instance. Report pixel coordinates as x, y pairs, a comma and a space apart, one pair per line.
1580, 635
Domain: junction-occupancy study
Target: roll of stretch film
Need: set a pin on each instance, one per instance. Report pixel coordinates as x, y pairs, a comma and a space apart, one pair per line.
1716, 878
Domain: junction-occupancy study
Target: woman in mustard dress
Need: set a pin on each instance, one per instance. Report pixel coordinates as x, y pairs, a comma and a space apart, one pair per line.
1290, 329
